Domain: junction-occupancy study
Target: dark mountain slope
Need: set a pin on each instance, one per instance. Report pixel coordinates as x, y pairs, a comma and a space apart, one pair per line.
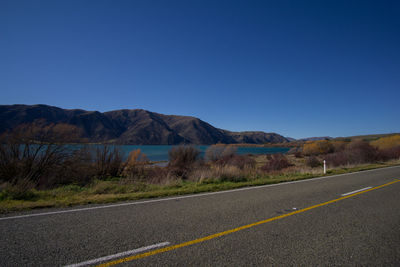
257, 137
94, 125
139, 127
144, 128
196, 131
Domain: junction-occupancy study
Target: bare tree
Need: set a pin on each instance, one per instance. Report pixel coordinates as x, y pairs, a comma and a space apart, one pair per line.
108, 161
31, 152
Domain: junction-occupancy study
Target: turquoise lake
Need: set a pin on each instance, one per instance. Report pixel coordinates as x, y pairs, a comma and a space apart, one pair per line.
160, 152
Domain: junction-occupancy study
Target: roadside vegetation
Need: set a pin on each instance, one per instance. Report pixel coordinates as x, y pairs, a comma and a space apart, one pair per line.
36, 172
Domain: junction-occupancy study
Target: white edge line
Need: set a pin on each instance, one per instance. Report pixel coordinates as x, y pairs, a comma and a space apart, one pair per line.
187, 196
355, 191
118, 255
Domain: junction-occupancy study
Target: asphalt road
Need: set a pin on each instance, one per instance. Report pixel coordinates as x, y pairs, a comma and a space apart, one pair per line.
356, 230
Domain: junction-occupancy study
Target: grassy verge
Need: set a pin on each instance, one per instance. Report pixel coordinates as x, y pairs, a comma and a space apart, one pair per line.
115, 190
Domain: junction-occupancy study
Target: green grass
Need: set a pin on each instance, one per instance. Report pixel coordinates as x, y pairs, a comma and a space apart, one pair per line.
115, 190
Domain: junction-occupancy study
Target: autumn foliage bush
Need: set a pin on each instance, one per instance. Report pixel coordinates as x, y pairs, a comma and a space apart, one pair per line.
135, 165
388, 142
318, 147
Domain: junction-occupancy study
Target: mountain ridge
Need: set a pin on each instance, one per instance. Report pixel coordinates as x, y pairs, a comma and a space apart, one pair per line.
131, 126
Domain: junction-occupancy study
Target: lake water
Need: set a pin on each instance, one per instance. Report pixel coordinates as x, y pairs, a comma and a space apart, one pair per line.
160, 152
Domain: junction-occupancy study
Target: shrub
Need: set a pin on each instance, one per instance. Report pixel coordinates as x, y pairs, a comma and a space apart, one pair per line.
388, 142
277, 163
296, 151
135, 165
361, 152
108, 162
318, 147
182, 160
313, 162
78, 168
298, 154
339, 146
355, 153
217, 152
390, 153
31, 154
337, 159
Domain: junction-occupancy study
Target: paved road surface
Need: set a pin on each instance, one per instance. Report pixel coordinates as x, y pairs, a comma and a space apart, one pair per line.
361, 229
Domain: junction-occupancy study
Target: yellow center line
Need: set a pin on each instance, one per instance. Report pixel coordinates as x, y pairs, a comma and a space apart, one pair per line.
199, 240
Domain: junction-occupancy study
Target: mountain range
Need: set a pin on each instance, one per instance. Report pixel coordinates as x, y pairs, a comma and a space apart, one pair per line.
131, 126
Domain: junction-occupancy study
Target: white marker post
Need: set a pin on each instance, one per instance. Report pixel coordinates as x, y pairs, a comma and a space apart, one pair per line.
324, 167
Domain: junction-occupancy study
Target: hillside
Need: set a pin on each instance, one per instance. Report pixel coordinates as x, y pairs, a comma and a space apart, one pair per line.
135, 127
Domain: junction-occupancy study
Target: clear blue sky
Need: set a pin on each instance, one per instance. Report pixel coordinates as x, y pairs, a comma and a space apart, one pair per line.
298, 68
